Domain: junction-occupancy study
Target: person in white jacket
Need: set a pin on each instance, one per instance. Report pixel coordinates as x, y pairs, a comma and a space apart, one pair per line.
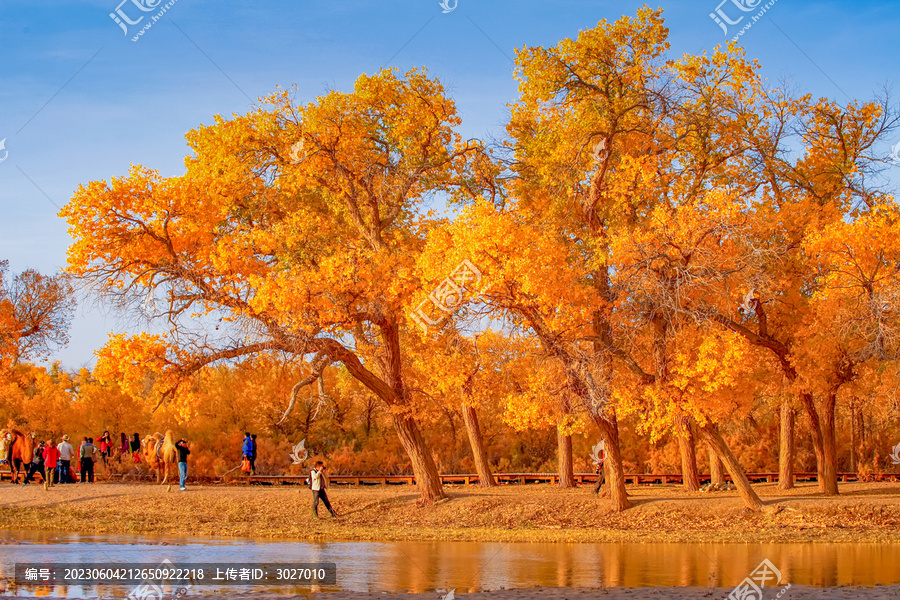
66, 453
318, 481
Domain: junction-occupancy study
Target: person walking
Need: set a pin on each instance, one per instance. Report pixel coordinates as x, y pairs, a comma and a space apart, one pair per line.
66, 454
318, 481
136, 448
51, 463
37, 464
183, 451
253, 454
601, 476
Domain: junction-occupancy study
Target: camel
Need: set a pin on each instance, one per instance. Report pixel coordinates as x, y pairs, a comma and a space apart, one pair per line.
20, 453
160, 453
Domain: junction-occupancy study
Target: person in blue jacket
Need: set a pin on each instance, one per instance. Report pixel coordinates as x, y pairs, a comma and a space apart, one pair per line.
247, 449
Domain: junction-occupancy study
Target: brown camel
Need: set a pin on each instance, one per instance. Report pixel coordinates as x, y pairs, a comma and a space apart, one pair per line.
160, 453
21, 454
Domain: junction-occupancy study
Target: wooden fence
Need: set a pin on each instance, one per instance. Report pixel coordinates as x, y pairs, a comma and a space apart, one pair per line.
523, 478
550, 478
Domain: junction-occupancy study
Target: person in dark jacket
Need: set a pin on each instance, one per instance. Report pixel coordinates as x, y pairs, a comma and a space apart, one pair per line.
183, 451
37, 464
253, 454
136, 448
86, 454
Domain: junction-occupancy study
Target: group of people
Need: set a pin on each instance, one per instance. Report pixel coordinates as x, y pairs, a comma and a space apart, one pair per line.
54, 462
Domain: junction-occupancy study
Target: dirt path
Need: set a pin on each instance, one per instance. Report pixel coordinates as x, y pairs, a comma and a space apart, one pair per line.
867, 512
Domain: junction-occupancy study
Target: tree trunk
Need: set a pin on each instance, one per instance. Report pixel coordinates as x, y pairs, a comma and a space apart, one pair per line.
711, 434
815, 432
782, 352
609, 429
370, 409
476, 441
564, 453
606, 420
830, 449
786, 447
716, 468
428, 481
689, 476
854, 461
390, 389
862, 447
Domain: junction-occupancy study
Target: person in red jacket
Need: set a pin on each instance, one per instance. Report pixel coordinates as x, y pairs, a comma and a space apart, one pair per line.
51, 462
105, 444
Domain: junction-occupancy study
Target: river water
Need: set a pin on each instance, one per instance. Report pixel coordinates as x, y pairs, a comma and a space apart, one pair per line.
466, 566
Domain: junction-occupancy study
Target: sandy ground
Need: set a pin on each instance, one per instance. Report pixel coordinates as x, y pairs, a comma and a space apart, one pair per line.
865, 512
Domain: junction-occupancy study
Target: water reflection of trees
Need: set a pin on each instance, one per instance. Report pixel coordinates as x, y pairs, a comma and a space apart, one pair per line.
472, 566
420, 567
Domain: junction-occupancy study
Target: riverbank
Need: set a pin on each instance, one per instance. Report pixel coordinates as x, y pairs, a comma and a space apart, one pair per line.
864, 512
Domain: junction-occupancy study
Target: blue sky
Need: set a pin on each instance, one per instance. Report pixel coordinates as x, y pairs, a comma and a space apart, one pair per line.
80, 101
